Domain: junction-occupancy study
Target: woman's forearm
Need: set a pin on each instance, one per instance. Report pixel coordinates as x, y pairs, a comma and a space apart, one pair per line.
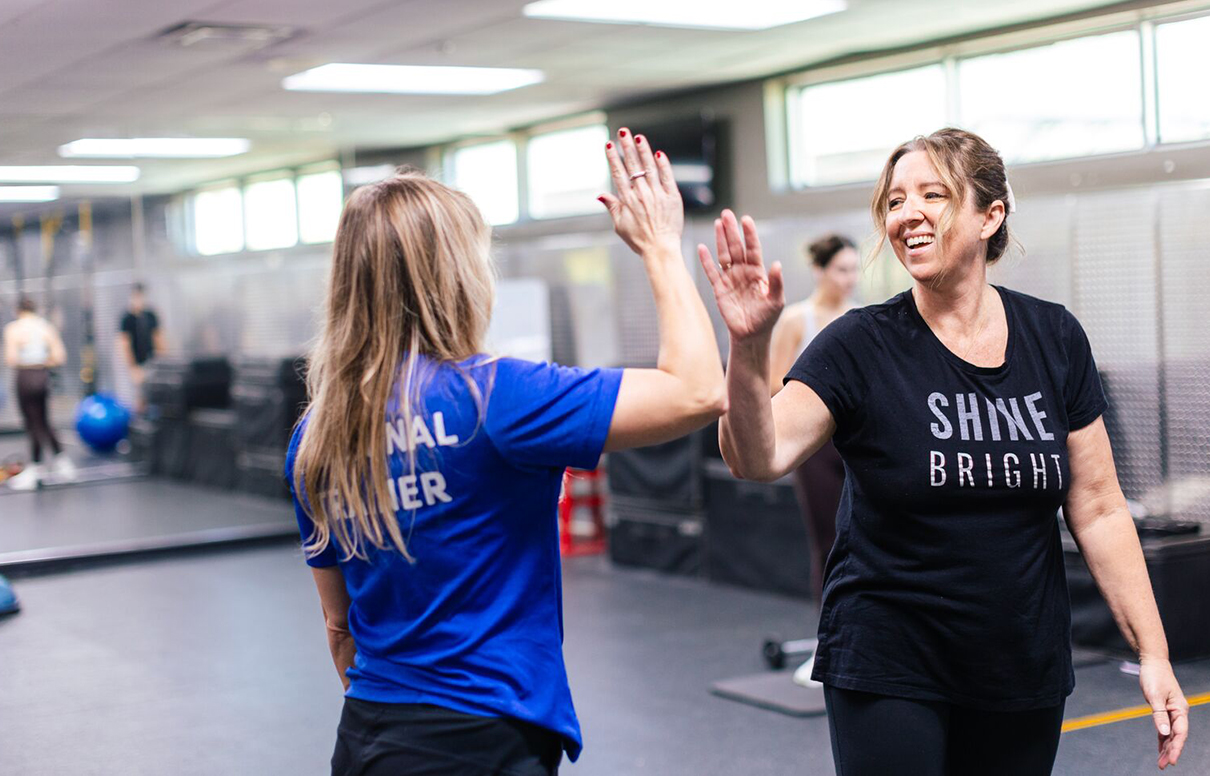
1110, 546
344, 652
746, 435
688, 350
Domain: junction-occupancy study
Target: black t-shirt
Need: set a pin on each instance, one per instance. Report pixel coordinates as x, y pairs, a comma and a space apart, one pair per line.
141, 328
946, 581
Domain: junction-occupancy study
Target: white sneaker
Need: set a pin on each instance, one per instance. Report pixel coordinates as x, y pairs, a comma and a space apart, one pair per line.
26, 480
63, 467
802, 674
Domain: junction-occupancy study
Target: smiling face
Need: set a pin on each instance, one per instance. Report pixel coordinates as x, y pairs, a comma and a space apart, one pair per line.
928, 241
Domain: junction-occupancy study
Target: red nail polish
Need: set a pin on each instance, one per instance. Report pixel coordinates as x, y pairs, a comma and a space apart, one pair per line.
659, 154
622, 132
601, 200
638, 139
609, 145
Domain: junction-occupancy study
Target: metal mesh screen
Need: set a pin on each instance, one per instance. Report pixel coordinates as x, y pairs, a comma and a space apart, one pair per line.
1041, 263
1184, 234
1116, 301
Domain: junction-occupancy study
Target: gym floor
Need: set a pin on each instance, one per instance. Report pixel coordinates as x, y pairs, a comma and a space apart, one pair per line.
216, 663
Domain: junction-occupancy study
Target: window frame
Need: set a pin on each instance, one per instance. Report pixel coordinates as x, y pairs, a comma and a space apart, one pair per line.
235, 184
241, 184
448, 168
319, 168
545, 131
785, 152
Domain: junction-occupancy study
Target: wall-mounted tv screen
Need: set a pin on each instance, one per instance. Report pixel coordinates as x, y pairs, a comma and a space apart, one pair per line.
692, 144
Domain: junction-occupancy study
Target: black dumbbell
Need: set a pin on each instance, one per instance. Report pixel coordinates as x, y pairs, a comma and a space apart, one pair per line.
776, 651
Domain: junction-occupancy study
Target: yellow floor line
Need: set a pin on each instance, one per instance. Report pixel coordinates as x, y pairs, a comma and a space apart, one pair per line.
1121, 715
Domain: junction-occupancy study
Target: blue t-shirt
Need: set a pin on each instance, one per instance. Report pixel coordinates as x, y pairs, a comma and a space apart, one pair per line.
476, 623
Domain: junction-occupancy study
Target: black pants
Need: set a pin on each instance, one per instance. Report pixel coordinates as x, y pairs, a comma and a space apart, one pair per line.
384, 739
33, 386
818, 483
875, 735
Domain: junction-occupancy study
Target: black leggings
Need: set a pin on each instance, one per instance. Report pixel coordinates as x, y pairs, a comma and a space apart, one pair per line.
874, 735
33, 386
387, 739
818, 483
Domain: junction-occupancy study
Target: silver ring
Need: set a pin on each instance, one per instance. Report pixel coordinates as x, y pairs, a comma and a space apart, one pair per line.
639, 174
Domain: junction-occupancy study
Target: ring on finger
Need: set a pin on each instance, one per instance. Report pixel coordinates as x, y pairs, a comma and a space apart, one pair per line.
639, 174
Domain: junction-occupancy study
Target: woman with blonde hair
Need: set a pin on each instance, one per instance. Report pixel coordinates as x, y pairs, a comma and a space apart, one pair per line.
966, 414
426, 473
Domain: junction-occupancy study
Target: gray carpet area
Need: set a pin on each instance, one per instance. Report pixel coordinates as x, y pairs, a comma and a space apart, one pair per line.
217, 664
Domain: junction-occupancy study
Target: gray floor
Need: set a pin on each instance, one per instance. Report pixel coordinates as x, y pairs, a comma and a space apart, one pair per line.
216, 664
100, 513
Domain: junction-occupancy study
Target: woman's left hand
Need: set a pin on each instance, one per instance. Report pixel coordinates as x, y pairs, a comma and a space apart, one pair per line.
1169, 709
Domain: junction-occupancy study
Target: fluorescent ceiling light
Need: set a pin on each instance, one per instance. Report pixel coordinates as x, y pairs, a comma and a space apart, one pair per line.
69, 173
28, 193
709, 14
162, 147
410, 79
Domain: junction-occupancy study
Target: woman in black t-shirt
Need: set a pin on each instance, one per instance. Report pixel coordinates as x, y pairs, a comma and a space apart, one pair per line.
966, 415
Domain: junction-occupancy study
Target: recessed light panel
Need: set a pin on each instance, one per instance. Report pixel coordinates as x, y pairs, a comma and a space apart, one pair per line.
410, 79
155, 147
29, 193
707, 14
69, 173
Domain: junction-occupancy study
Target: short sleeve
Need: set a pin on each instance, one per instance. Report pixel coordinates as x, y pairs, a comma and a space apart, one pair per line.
1082, 391
153, 321
329, 557
127, 324
541, 414
834, 365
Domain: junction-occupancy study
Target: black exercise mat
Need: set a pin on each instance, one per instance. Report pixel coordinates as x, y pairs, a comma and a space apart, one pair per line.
773, 690
776, 690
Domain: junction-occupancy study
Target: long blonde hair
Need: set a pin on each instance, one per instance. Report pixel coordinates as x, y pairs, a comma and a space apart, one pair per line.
964, 162
411, 277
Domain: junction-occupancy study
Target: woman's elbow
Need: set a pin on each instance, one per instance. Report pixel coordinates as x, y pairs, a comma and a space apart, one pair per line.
715, 403
706, 406
745, 470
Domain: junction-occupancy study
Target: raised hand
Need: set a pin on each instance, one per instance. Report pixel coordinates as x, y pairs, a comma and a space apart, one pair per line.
647, 212
749, 300
1170, 710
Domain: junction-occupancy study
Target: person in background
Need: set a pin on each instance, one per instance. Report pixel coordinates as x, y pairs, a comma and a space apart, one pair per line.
818, 482
32, 347
140, 340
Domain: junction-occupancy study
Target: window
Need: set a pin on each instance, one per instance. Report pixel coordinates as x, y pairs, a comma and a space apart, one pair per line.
270, 214
1072, 98
488, 174
567, 171
320, 199
218, 220
842, 132
1182, 52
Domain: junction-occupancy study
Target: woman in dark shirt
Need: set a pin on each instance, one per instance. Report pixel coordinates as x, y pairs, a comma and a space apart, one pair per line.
966, 415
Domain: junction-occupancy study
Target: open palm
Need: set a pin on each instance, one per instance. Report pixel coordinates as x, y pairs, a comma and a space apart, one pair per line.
749, 299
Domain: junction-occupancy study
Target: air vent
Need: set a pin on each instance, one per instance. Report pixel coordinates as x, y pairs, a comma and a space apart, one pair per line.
252, 36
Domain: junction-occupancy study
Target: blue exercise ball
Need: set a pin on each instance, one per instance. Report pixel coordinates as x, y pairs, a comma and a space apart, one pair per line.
102, 422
